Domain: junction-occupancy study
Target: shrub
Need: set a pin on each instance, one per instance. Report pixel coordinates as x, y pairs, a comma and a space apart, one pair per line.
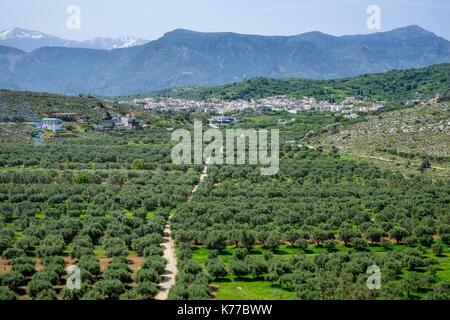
272, 242
24, 266
216, 268
445, 238
240, 254
138, 164
200, 290
215, 240
438, 249
110, 288
93, 295
87, 277
192, 267
156, 263
239, 268
81, 248
152, 251
90, 264
411, 241
52, 245
149, 240
359, 244
73, 294
440, 292
48, 276
58, 260
12, 280
56, 268
27, 243
6, 294
12, 253
426, 240
36, 286
117, 250
146, 289
398, 233
212, 254
131, 295
301, 244
257, 266
5, 242
47, 250
179, 292
47, 294
148, 275
330, 245
120, 274
386, 244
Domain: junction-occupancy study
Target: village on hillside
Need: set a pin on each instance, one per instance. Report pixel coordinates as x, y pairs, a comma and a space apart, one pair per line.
350, 106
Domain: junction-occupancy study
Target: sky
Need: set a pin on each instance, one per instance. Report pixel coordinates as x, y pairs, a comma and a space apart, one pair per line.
150, 19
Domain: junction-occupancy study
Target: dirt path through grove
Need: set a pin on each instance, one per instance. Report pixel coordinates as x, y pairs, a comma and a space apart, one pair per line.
168, 246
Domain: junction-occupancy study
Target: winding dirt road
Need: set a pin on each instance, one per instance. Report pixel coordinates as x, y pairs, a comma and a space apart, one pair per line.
171, 270
168, 246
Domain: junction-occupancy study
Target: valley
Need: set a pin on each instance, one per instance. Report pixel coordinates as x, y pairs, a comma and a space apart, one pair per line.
101, 192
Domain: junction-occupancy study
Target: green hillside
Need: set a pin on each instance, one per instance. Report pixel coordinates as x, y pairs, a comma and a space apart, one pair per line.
28, 106
398, 85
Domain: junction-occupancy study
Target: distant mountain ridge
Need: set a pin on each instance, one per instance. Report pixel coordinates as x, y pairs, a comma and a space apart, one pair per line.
29, 40
184, 58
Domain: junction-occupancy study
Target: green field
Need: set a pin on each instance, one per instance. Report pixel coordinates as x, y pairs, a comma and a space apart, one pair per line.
251, 288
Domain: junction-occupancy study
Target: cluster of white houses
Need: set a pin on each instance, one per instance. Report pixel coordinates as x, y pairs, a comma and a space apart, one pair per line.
56, 124
276, 103
127, 122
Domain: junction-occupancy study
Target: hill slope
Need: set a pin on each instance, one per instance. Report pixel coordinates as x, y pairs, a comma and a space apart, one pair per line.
401, 138
397, 85
30, 106
185, 58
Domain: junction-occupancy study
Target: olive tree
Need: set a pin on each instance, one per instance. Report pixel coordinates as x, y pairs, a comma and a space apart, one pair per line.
216, 268
12, 280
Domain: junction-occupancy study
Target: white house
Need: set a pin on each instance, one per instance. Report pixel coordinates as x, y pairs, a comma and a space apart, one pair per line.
377, 107
223, 120
336, 108
351, 116
52, 124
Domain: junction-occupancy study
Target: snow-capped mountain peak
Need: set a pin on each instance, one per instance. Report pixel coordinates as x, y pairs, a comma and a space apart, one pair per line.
29, 40
5, 34
22, 33
118, 43
131, 42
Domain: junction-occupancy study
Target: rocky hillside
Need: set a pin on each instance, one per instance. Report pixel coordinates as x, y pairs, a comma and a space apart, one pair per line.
405, 137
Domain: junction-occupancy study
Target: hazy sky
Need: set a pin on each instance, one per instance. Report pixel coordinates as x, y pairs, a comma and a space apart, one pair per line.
150, 19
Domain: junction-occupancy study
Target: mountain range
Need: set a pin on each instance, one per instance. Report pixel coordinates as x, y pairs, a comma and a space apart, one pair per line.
29, 40
184, 58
